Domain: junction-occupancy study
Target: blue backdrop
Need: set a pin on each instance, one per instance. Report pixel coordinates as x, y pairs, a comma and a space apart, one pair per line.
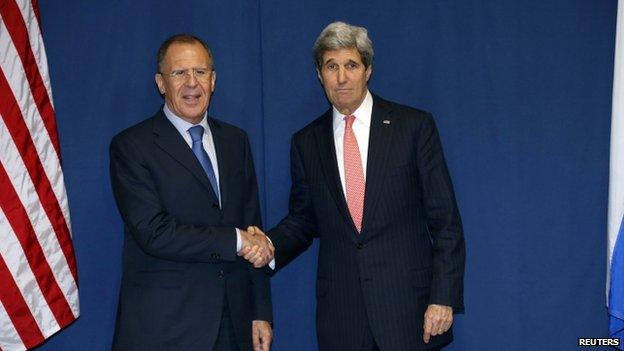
521, 92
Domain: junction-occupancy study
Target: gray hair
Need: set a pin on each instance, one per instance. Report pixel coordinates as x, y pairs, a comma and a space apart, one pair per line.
180, 39
341, 35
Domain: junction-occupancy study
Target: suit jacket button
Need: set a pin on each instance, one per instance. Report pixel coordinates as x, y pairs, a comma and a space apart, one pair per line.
221, 274
215, 205
360, 246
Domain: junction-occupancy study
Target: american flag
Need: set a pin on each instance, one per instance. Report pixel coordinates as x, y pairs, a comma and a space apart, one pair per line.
38, 276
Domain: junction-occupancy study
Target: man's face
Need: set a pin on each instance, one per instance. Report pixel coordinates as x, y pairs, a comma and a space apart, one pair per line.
344, 78
186, 95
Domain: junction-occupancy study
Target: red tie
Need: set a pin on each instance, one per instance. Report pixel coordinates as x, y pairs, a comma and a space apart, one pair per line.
354, 175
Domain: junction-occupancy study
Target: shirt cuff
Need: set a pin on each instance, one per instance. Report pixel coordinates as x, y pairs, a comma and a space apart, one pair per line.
239, 240
239, 246
272, 263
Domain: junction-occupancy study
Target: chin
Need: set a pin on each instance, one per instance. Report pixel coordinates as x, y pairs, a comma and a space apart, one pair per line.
195, 111
344, 106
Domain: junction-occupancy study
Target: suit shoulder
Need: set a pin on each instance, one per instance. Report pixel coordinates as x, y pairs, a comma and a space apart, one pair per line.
309, 129
137, 131
403, 110
228, 129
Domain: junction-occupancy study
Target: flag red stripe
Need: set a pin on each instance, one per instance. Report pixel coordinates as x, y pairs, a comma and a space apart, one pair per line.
18, 219
32, 309
16, 308
35, 6
25, 145
13, 20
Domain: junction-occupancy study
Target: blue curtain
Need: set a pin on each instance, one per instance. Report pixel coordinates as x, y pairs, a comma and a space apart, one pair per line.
521, 92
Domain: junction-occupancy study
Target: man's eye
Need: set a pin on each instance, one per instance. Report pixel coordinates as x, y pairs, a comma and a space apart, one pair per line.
352, 65
332, 67
201, 72
177, 73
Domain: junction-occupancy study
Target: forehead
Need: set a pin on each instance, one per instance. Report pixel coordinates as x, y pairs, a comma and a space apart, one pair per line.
187, 53
342, 55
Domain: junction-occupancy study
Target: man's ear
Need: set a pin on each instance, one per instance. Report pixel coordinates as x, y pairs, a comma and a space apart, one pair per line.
213, 81
160, 82
318, 74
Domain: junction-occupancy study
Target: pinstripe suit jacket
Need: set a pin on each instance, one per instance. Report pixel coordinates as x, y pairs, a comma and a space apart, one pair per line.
410, 252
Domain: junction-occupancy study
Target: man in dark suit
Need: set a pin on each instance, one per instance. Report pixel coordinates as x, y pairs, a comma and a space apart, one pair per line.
184, 183
369, 179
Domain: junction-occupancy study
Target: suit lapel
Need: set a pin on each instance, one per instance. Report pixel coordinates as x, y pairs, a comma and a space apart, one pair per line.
380, 140
223, 158
167, 137
327, 154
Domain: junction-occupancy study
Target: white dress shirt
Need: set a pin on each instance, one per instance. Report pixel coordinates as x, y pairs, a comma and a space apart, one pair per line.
361, 129
183, 126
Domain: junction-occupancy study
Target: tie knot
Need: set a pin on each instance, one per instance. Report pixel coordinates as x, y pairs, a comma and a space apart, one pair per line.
197, 132
349, 120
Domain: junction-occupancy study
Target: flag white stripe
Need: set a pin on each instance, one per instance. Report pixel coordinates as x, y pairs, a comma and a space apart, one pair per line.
616, 170
15, 258
16, 77
36, 42
42, 322
9, 339
17, 173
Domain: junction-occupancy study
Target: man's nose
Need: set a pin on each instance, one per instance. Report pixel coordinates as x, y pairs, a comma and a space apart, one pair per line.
191, 80
342, 76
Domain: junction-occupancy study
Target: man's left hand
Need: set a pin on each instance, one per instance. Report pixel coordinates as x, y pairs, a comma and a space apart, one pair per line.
438, 320
262, 335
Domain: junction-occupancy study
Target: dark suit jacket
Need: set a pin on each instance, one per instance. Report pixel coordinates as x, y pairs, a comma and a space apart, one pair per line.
410, 252
179, 259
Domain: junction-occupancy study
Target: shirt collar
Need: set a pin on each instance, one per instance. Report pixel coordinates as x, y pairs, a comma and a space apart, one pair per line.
362, 114
181, 125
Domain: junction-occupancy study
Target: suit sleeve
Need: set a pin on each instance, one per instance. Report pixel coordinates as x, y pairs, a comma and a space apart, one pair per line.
294, 234
261, 290
157, 232
443, 220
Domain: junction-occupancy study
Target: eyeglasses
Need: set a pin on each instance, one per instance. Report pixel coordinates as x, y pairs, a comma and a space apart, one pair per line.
202, 74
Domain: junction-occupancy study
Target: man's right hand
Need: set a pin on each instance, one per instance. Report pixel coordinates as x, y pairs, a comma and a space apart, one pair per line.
257, 248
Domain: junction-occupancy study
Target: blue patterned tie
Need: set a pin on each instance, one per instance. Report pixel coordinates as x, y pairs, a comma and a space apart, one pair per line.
197, 133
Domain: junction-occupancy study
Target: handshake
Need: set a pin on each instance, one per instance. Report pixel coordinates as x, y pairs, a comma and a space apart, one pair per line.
256, 248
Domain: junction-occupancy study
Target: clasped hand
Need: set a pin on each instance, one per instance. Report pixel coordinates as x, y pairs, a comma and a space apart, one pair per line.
257, 248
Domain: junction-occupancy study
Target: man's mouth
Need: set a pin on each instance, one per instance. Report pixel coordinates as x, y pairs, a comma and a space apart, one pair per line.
191, 98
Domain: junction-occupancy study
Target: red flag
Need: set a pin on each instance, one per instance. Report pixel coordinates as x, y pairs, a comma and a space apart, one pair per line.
38, 276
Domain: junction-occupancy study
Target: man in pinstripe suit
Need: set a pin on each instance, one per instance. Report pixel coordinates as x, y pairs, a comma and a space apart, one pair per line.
369, 179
